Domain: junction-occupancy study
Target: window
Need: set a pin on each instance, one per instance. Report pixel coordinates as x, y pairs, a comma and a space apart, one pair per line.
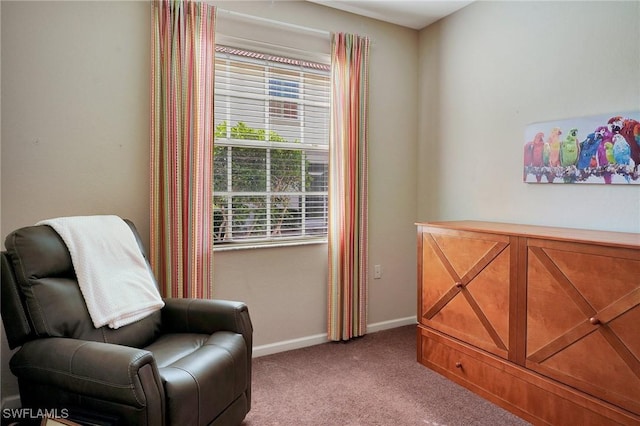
283, 108
271, 147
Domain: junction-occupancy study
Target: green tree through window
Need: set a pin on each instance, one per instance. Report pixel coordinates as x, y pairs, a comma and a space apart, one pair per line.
258, 192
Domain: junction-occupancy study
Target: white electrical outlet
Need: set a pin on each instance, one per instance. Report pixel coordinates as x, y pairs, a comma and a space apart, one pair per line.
377, 272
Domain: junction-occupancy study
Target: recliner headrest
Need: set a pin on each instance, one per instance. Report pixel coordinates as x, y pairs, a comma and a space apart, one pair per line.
44, 272
39, 252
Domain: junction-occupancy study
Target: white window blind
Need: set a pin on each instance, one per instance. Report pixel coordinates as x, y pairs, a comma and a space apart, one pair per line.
271, 147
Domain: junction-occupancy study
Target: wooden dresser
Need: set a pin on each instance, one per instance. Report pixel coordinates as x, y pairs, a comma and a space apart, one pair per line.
542, 321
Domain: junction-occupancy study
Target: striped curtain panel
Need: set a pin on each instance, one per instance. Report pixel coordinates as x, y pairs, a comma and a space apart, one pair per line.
182, 85
347, 316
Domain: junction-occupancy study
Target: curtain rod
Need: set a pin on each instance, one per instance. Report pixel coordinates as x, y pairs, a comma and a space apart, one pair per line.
274, 22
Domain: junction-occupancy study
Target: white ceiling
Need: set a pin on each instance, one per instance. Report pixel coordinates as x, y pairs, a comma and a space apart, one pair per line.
415, 14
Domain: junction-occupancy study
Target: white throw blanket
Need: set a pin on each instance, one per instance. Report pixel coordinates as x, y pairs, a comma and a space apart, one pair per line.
113, 276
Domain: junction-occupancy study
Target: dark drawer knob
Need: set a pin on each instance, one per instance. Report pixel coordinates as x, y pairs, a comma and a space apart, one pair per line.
594, 321
458, 364
459, 284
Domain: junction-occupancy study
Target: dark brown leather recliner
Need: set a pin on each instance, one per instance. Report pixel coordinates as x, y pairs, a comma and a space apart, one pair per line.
185, 365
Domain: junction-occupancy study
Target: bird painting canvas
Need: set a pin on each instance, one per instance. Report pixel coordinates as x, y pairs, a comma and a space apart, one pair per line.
599, 149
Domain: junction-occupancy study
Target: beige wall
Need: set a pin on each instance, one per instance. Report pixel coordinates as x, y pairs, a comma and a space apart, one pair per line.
75, 115
75, 141
75, 92
495, 67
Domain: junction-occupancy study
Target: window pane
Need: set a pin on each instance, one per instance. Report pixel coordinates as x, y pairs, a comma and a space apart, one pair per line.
317, 119
249, 118
283, 109
220, 168
249, 217
317, 177
316, 215
286, 216
283, 88
286, 170
248, 169
287, 131
220, 216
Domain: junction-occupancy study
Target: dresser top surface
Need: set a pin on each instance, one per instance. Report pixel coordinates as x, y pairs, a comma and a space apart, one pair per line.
622, 239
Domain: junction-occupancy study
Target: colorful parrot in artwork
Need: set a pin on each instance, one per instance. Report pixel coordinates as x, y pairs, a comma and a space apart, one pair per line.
605, 136
588, 150
537, 153
533, 154
621, 150
630, 130
528, 153
554, 147
605, 155
546, 153
569, 149
608, 147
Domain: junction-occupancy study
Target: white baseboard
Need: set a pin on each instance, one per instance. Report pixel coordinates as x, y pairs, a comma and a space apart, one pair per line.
317, 339
385, 325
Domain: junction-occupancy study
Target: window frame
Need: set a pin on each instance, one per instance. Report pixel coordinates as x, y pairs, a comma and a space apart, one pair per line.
271, 83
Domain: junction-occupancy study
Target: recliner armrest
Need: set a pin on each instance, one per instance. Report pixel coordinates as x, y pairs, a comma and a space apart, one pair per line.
101, 370
206, 316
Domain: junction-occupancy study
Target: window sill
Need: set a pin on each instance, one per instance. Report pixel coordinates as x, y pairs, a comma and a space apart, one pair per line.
269, 244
